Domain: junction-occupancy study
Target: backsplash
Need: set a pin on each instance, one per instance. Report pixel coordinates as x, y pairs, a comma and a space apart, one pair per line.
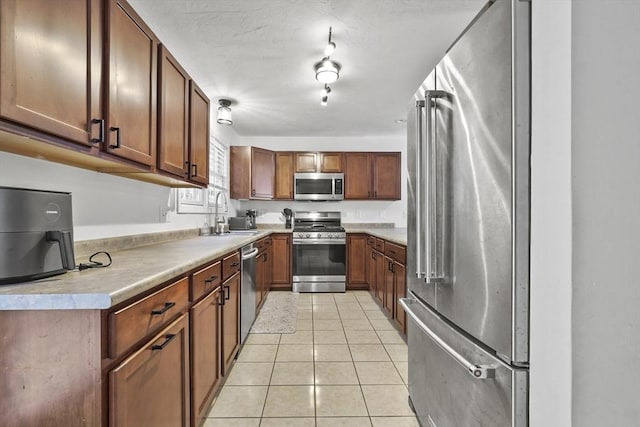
359, 212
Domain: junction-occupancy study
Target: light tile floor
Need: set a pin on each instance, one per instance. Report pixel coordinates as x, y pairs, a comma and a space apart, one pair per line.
346, 365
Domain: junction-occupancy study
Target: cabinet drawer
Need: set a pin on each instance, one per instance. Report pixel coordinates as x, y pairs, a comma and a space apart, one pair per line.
395, 252
380, 244
144, 317
230, 264
206, 280
371, 241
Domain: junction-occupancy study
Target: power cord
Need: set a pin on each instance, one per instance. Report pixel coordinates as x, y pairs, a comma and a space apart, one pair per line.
95, 264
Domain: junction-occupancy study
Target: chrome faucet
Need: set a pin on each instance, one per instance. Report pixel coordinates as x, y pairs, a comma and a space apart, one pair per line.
216, 227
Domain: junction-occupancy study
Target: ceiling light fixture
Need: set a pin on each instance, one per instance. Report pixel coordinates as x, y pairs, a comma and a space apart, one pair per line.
327, 71
224, 112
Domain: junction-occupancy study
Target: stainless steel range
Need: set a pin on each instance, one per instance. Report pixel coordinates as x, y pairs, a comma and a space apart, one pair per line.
319, 252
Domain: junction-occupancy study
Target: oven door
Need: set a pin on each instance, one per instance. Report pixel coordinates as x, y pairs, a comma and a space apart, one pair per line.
320, 261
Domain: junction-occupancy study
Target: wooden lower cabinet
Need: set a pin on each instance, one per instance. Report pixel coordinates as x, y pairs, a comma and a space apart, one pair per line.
205, 353
380, 276
356, 261
400, 292
281, 274
230, 321
151, 387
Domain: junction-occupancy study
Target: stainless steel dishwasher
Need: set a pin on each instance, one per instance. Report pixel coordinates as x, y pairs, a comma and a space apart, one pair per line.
248, 290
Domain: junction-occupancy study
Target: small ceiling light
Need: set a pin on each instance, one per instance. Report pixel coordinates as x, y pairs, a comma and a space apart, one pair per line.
324, 101
327, 71
224, 112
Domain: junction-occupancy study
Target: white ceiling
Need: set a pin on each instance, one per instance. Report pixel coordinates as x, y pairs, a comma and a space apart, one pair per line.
261, 53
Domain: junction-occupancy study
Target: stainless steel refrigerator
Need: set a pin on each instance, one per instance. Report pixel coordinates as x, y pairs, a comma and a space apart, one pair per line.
468, 240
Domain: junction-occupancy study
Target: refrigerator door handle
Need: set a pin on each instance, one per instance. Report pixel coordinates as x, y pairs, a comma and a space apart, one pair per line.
480, 372
431, 255
419, 168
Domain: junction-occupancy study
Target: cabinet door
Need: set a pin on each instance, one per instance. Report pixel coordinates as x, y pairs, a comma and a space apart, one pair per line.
281, 261
260, 276
371, 270
205, 353
268, 277
306, 162
380, 276
230, 321
132, 52
400, 292
173, 122
284, 176
198, 135
262, 173
331, 162
357, 176
51, 65
386, 176
151, 387
240, 172
356, 259
389, 279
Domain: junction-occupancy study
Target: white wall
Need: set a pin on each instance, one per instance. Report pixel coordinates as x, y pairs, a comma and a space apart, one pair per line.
352, 211
106, 205
606, 212
550, 337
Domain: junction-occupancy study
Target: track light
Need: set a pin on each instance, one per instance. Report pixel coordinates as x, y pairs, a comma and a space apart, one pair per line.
324, 101
331, 46
327, 71
326, 91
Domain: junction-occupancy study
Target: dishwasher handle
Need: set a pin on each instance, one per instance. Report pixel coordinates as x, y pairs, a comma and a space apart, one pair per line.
251, 254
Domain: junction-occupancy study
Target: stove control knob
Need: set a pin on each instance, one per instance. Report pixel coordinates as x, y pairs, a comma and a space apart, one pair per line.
319, 235
307, 235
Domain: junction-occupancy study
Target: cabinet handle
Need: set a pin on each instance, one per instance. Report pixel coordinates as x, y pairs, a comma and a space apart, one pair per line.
214, 277
101, 138
194, 167
221, 299
234, 264
188, 168
368, 193
167, 306
227, 291
118, 140
375, 194
390, 266
392, 252
167, 340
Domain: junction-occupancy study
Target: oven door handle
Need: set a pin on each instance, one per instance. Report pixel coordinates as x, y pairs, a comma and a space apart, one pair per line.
319, 242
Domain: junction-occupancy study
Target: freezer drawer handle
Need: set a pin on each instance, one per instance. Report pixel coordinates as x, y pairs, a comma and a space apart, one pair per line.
480, 372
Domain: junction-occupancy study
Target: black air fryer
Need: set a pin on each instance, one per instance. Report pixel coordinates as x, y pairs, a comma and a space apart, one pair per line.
36, 234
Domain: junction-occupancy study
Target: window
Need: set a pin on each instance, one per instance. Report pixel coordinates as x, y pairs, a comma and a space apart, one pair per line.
202, 200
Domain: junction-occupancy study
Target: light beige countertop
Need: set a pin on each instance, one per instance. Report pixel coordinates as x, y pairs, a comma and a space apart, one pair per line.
132, 272
395, 235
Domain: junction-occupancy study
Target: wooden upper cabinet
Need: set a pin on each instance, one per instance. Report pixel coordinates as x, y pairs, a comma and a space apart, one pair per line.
198, 135
306, 162
357, 176
331, 162
262, 173
318, 162
386, 176
252, 173
51, 66
173, 124
132, 52
284, 176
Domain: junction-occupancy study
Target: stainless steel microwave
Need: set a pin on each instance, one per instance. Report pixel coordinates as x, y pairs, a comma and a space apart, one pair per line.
318, 186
